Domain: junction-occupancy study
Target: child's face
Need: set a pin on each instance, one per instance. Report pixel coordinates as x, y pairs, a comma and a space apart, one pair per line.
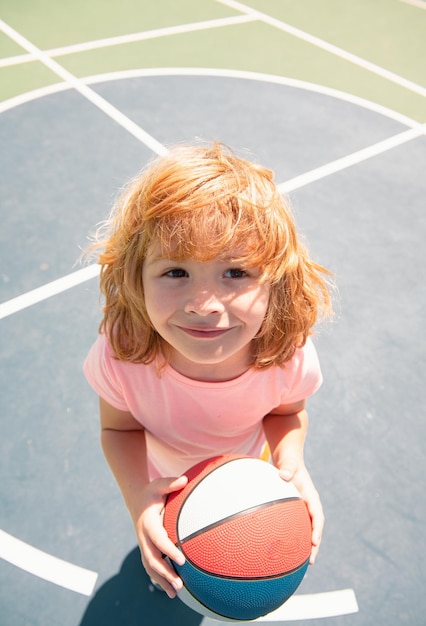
207, 312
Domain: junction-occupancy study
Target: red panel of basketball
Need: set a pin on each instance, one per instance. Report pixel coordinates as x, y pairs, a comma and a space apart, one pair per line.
267, 541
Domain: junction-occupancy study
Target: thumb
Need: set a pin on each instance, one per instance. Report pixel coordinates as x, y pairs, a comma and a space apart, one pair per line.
288, 469
169, 485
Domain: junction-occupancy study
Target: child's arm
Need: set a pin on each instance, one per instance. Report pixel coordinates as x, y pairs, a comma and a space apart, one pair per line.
285, 429
123, 443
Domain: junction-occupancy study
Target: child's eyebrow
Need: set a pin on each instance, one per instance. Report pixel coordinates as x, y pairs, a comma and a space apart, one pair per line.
155, 254
157, 258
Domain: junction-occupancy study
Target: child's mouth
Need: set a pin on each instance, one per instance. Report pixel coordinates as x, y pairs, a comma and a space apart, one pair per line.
204, 333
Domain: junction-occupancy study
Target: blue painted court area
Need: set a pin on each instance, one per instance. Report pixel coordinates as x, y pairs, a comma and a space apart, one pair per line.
354, 171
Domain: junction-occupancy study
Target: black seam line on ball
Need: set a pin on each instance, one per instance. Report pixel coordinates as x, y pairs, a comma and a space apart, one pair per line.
252, 579
264, 505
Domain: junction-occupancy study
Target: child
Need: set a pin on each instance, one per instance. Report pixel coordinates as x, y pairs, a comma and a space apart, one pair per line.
204, 346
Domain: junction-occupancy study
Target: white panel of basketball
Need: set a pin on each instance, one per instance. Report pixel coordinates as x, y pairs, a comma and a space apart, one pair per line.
263, 485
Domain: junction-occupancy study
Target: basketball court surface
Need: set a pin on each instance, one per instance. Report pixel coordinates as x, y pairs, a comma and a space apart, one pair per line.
331, 96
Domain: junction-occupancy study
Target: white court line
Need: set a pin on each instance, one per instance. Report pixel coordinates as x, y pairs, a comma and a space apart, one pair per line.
305, 606
48, 290
29, 96
46, 566
245, 75
320, 43
215, 72
16, 60
313, 606
352, 159
420, 4
84, 90
132, 37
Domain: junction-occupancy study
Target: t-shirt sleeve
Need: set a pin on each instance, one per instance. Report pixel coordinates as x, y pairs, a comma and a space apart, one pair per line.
306, 376
101, 371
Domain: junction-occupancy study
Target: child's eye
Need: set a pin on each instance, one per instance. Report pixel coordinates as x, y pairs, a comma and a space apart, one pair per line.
176, 272
235, 272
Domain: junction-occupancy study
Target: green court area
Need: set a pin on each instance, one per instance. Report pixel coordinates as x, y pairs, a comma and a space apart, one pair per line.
374, 50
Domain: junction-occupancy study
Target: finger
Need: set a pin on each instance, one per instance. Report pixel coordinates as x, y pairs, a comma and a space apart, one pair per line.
161, 571
169, 485
314, 554
317, 521
317, 516
315, 541
286, 474
170, 588
317, 533
288, 469
162, 544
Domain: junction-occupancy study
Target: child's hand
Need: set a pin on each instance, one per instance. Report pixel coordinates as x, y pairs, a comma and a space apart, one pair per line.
153, 540
299, 475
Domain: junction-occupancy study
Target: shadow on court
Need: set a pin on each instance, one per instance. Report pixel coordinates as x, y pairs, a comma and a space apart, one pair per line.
128, 599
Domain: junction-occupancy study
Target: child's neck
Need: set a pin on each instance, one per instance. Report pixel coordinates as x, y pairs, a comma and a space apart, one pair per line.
209, 372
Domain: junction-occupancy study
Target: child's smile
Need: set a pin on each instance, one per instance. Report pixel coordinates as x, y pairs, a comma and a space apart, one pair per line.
203, 332
207, 312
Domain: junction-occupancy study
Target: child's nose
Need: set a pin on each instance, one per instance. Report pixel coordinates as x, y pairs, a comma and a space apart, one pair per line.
205, 302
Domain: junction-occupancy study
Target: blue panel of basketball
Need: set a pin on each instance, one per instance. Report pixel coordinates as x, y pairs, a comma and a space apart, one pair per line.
240, 599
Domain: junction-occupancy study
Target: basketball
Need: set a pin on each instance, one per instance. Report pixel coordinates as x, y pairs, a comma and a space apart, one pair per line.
245, 534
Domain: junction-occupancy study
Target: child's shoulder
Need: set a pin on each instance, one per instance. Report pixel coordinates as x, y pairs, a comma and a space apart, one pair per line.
302, 369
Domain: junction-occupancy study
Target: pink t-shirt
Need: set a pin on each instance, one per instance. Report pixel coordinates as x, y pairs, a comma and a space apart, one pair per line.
186, 420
